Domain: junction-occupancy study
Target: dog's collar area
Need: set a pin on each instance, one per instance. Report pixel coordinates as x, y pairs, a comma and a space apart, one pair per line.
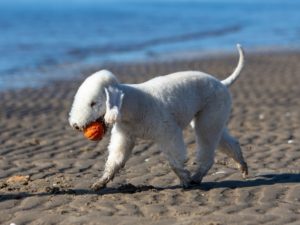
100, 120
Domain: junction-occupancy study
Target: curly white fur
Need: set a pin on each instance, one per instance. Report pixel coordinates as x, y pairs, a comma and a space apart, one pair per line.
158, 110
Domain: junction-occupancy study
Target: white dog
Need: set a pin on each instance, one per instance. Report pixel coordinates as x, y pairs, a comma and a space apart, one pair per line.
158, 110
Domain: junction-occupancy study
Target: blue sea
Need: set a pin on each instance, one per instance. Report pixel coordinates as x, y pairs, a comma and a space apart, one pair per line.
45, 40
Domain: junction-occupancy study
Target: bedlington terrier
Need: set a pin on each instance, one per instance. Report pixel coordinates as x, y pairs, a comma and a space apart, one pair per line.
158, 110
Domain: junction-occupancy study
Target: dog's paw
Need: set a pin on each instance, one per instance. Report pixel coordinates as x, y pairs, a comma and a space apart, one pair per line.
111, 116
98, 185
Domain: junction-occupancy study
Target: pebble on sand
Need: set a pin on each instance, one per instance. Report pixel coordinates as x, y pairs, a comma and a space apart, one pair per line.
18, 179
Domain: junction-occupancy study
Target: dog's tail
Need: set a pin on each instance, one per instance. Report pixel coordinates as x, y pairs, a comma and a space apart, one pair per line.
236, 73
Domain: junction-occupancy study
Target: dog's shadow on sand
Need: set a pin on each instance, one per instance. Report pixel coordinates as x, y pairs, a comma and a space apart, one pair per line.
262, 180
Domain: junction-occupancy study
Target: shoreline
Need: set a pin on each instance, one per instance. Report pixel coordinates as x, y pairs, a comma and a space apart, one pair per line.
72, 71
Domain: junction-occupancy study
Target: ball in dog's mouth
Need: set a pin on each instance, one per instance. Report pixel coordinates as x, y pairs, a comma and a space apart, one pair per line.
95, 130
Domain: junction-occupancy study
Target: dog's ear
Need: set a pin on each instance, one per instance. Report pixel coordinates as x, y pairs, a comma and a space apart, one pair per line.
114, 100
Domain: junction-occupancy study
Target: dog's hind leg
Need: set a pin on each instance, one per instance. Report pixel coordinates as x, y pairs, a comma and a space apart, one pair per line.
174, 148
231, 147
209, 125
120, 148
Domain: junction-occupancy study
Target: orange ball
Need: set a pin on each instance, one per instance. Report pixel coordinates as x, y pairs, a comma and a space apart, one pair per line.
95, 131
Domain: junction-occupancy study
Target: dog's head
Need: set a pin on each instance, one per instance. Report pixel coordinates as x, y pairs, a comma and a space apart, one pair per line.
96, 97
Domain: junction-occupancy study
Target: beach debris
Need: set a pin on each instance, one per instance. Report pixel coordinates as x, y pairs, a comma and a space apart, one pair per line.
34, 141
261, 116
291, 139
3, 185
18, 179
52, 190
95, 131
86, 149
219, 172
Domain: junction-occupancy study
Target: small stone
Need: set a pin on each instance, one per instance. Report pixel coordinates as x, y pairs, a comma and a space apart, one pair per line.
33, 142
219, 172
261, 116
20, 179
52, 190
63, 212
3, 185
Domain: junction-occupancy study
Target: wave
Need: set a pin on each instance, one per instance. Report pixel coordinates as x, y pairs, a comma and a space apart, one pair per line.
106, 49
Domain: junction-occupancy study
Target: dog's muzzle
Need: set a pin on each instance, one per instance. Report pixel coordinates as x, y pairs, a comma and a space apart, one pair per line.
100, 119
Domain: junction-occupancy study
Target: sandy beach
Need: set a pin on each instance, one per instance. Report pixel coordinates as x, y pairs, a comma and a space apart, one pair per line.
58, 164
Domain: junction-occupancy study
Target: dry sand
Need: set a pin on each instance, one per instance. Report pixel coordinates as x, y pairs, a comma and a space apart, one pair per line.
36, 140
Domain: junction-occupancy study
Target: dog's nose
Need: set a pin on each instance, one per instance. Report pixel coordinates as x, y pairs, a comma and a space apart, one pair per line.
76, 126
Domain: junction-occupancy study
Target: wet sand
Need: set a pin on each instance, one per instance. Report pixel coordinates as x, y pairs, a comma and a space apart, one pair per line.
36, 141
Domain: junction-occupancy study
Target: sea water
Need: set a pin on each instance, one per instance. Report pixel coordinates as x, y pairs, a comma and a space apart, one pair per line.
44, 40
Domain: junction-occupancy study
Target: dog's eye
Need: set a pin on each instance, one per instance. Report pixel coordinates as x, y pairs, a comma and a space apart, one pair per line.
93, 104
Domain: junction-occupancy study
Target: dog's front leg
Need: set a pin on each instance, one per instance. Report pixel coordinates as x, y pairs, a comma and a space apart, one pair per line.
120, 148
